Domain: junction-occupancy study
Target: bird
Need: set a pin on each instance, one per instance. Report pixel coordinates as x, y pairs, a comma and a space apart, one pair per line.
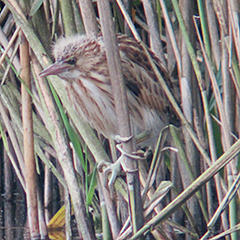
80, 62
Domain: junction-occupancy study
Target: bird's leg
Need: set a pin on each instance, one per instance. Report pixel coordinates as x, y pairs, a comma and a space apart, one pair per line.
115, 168
109, 168
112, 168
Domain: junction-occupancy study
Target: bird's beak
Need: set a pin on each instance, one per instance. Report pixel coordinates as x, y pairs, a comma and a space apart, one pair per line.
54, 69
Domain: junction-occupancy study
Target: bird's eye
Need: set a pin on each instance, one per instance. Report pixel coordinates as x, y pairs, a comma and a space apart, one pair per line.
72, 61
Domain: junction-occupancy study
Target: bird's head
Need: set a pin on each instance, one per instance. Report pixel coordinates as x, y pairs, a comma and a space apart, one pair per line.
74, 56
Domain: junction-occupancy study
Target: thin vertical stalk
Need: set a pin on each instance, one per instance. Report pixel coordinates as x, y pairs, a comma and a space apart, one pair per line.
204, 27
155, 40
8, 196
120, 99
89, 18
213, 33
28, 142
169, 28
68, 18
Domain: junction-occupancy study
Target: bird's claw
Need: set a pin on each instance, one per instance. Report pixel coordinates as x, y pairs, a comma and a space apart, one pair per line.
114, 168
110, 168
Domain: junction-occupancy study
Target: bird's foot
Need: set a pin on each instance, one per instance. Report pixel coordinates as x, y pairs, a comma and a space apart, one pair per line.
115, 168
110, 168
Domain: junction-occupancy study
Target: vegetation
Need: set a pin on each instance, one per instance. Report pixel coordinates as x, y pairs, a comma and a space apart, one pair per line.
189, 185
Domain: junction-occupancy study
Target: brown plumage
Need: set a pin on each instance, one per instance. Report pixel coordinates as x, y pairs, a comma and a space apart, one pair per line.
81, 62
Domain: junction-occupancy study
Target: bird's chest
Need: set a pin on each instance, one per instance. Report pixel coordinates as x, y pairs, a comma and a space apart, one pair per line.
94, 102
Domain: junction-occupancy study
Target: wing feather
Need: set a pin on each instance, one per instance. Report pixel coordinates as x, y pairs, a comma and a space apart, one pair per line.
141, 79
